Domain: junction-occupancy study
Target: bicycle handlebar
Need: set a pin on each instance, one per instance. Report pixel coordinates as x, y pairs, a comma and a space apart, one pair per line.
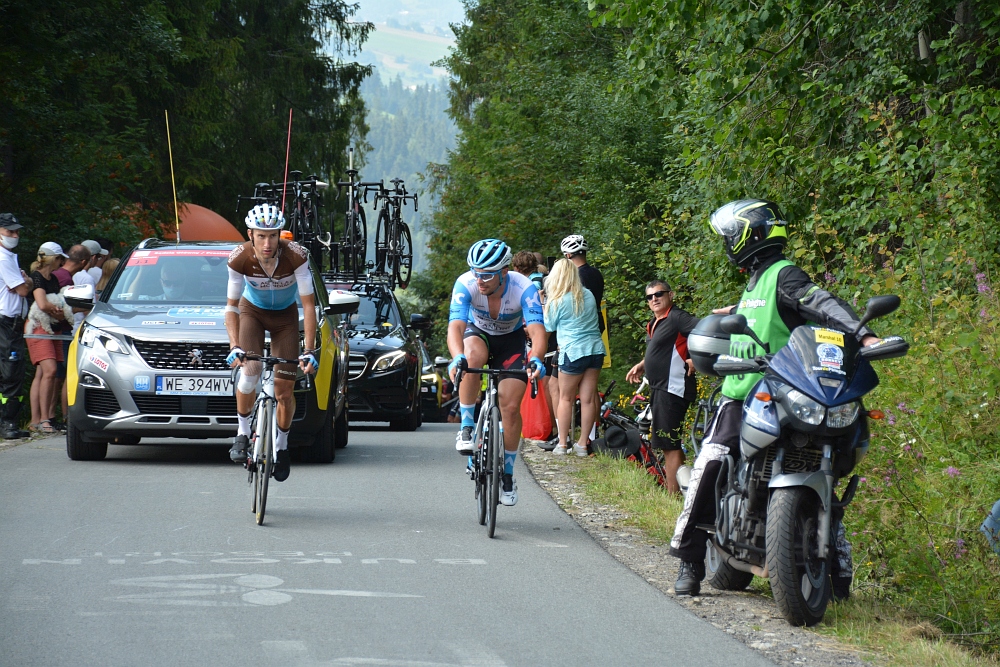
497, 372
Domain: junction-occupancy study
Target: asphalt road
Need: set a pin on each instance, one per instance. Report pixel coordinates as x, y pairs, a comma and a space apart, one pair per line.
152, 557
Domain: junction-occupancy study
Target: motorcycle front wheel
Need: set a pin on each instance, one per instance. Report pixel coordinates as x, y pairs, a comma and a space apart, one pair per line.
800, 579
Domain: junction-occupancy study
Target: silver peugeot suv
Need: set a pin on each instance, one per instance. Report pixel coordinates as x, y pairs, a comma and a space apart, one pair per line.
149, 360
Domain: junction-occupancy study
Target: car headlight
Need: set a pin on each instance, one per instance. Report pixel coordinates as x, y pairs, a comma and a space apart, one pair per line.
389, 361
842, 416
90, 334
804, 408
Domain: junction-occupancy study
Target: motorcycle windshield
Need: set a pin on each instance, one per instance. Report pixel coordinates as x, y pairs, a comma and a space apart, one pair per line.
825, 365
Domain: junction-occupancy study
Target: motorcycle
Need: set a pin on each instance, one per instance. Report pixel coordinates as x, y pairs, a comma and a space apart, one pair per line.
804, 429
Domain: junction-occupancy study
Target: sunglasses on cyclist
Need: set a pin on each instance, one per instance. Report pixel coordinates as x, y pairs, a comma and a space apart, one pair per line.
485, 276
656, 295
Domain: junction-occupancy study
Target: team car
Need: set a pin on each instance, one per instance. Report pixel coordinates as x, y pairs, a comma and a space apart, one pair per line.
149, 360
385, 362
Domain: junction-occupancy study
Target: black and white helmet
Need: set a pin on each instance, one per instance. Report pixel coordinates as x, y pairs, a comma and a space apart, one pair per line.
265, 216
573, 244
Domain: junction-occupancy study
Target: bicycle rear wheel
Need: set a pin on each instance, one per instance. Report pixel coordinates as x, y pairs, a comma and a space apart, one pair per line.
264, 463
494, 441
479, 464
355, 242
403, 266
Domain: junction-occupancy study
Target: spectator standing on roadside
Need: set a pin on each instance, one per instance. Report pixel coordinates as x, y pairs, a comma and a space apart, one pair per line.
526, 263
72, 272
45, 353
98, 256
13, 310
571, 312
108, 269
668, 367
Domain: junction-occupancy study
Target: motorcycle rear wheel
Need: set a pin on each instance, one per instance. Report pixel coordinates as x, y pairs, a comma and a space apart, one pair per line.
721, 575
800, 579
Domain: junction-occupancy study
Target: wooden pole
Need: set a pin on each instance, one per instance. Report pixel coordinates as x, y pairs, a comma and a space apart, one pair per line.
173, 181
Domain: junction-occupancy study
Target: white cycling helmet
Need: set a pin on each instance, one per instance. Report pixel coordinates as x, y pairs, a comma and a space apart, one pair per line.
265, 216
573, 244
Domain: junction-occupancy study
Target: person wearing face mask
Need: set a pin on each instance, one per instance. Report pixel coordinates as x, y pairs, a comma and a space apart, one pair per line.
13, 310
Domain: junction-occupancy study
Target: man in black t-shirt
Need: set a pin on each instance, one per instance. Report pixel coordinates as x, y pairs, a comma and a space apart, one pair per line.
670, 372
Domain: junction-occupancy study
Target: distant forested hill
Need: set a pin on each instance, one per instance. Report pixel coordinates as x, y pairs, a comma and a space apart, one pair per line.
408, 128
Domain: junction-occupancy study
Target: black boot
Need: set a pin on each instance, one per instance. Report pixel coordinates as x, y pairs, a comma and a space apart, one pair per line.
689, 578
10, 431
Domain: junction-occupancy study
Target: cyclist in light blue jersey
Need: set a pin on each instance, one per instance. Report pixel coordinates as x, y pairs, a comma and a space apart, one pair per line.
493, 313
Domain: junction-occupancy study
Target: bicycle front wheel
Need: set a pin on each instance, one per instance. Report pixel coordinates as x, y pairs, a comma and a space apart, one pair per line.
403, 266
265, 461
479, 463
382, 242
494, 442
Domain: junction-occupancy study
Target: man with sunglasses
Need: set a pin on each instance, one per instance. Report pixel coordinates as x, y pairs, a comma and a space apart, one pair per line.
492, 310
670, 372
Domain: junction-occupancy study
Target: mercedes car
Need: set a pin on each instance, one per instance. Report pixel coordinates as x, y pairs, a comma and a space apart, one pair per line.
149, 360
385, 361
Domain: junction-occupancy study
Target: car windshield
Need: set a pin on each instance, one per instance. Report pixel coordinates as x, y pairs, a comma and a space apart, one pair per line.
375, 311
174, 275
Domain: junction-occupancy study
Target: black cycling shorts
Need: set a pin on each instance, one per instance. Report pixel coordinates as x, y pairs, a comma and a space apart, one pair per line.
506, 351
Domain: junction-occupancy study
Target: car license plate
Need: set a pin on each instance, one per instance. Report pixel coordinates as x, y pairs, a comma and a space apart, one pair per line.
167, 385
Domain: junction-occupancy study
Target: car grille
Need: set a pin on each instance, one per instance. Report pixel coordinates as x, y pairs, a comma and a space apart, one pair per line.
169, 355
147, 404
100, 402
356, 365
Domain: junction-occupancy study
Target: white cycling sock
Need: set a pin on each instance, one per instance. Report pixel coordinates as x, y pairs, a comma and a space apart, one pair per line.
244, 424
281, 440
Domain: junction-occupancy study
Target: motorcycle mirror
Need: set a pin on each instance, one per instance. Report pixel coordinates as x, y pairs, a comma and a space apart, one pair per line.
737, 324
878, 306
728, 365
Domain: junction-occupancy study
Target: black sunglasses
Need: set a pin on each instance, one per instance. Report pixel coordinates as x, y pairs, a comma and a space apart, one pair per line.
656, 295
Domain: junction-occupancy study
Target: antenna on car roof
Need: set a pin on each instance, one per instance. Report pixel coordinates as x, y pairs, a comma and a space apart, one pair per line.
173, 182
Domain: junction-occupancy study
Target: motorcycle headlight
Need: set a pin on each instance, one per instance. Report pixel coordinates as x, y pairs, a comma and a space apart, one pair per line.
804, 408
842, 416
389, 361
90, 334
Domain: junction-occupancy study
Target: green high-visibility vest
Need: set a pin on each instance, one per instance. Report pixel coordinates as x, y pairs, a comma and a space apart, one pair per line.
760, 306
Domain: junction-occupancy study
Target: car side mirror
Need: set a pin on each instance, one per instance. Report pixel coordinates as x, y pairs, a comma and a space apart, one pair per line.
420, 322
342, 302
80, 296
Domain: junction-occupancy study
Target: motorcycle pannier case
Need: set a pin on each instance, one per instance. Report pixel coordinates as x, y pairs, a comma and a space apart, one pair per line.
706, 342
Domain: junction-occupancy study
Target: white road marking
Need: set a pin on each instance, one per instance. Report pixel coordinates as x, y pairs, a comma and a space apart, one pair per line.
376, 561
252, 589
297, 653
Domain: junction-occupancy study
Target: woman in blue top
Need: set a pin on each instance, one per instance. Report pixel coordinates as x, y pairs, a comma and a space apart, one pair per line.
571, 312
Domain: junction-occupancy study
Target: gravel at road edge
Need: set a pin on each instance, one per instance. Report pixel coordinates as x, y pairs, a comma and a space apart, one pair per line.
749, 617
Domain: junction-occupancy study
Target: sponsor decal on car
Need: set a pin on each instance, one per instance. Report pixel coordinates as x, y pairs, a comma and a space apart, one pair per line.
141, 383
194, 323
97, 361
197, 311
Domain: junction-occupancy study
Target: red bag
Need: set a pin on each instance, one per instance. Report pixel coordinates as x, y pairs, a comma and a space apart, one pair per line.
536, 422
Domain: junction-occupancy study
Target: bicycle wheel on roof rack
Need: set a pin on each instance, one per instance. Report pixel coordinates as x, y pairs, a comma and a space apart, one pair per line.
353, 248
403, 266
382, 241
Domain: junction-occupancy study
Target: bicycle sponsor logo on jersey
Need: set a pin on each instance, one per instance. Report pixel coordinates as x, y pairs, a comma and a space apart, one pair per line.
753, 303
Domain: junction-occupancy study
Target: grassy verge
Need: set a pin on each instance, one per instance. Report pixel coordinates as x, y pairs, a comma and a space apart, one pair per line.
890, 637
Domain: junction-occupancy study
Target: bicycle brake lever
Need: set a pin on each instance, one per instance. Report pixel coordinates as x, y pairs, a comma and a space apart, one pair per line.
534, 388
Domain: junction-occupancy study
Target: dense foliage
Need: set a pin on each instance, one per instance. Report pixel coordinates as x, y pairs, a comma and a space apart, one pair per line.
875, 126
85, 84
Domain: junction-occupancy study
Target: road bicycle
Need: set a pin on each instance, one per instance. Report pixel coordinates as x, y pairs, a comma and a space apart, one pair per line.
348, 256
303, 200
393, 242
487, 458
264, 430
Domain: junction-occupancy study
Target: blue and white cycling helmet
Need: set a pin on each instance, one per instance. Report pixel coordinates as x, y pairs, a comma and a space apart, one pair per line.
489, 255
266, 217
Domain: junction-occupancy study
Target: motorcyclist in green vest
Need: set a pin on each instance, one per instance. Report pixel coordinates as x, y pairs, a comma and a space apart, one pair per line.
779, 297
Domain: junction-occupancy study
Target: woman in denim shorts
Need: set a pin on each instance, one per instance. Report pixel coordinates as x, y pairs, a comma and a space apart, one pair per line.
571, 312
